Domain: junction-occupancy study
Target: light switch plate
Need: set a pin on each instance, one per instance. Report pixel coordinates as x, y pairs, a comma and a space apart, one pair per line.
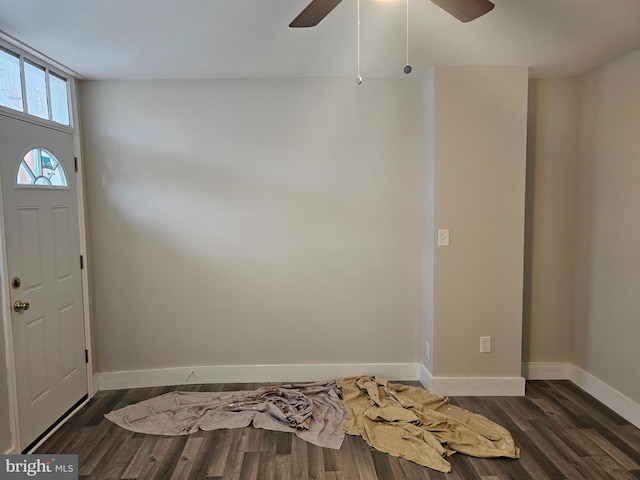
443, 238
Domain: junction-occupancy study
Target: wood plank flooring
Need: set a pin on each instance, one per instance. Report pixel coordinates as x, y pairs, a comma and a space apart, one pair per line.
563, 433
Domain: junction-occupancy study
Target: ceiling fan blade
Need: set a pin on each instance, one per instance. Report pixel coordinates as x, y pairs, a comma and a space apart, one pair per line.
314, 13
465, 10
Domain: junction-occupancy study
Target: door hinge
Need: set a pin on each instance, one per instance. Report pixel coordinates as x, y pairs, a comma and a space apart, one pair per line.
81, 262
86, 356
75, 163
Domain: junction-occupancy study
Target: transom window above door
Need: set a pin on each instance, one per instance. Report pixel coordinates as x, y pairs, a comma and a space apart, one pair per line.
41, 168
33, 89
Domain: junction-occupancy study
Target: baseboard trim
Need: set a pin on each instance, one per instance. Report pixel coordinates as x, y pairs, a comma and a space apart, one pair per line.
546, 370
11, 451
472, 386
450, 386
478, 386
612, 398
95, 383
252, 374
446, 386
425, 377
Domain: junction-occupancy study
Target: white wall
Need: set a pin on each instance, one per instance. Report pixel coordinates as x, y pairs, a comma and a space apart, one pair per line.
317, 172
552, 182
583, 231
251, 222
606, 321
479, 160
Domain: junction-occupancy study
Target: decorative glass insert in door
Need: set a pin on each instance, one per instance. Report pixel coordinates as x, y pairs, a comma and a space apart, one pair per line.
41, 168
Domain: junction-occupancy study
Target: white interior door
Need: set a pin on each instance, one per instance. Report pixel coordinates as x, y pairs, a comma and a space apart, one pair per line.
43, 256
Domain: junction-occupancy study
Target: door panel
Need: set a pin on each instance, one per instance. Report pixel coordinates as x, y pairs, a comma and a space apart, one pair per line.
35, 337
43, 250
28, 249
63, 247
68, 362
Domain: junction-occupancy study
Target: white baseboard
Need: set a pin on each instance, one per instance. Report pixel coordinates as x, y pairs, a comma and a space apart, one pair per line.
472, 386
425, 377
546, 370
11, 451
252, 374
464, 386
612, 398
446, 386
478, 386
95, 384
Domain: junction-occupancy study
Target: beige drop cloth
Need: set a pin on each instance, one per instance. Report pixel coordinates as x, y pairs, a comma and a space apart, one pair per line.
313, 411
411, 423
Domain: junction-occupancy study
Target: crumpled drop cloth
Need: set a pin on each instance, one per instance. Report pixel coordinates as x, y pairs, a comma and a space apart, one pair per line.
410, 422
312, 411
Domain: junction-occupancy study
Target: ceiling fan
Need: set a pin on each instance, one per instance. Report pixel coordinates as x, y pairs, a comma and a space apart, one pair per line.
463, 10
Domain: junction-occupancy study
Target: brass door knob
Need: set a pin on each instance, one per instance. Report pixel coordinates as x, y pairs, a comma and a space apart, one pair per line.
19, 306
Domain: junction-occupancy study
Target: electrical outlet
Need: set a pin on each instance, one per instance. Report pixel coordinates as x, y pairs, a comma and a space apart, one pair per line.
485, 344
427, 350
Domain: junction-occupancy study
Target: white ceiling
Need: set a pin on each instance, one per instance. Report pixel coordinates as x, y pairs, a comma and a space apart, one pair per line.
135, 39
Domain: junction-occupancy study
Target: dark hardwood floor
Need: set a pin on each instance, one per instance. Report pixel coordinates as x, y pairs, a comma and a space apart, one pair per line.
563, 433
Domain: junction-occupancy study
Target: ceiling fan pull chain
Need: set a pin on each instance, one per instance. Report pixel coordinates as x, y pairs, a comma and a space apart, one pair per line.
358, 78
407, 68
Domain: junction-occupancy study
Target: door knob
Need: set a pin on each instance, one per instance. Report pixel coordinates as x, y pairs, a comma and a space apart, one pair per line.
19, 306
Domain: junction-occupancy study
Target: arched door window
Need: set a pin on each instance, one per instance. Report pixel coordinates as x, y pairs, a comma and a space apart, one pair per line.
40, 167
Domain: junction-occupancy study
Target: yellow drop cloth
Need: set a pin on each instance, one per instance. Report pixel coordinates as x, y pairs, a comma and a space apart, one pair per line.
410, 422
